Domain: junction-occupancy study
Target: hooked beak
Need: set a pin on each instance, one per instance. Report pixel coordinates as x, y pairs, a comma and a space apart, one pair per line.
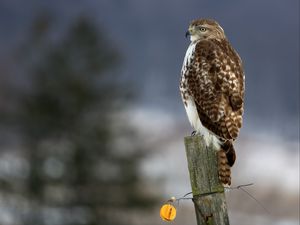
187, 34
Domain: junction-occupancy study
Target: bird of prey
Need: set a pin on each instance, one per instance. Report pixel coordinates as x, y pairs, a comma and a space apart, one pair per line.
212, 89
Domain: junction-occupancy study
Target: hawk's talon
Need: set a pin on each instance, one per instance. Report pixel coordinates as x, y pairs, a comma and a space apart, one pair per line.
194, 133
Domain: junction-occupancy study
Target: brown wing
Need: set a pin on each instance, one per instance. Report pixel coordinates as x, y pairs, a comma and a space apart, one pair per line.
218, 87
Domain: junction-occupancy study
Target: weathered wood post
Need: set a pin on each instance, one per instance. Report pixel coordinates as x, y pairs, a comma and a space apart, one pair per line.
208, 192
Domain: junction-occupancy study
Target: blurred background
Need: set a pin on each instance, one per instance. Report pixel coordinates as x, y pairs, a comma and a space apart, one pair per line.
92, 123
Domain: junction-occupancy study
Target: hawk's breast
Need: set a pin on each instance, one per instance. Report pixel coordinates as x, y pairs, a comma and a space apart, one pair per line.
188, 100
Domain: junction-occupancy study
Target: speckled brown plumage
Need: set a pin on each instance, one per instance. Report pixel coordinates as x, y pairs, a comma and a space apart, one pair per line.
212, 83
218, 87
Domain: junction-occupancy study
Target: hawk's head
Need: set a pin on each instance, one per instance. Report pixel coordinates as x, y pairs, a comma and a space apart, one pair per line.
201, 29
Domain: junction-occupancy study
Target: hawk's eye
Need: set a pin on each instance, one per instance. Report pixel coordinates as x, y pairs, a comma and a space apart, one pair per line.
202, 29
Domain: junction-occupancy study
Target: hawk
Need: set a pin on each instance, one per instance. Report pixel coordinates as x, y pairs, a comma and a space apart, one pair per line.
212, 90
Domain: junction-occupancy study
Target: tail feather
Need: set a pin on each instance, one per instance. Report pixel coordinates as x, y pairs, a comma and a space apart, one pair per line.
226, 159
230, 152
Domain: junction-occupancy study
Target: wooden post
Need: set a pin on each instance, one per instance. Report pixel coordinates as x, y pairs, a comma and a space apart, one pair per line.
208, 192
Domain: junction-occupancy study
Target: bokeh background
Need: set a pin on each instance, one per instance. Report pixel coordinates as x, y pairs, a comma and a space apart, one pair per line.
92, 123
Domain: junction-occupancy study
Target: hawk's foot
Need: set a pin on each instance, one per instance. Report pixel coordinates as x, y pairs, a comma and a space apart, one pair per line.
194, 133
223, 168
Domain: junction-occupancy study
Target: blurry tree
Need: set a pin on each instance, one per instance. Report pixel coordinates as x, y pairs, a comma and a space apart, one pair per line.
68, 120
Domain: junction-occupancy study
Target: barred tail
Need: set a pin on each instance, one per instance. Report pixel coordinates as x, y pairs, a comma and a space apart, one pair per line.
230, 152
226, 159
